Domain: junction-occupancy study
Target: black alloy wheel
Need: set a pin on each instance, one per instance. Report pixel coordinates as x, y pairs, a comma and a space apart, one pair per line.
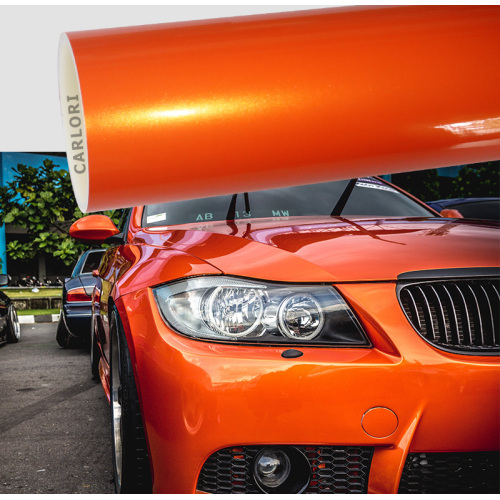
130, 454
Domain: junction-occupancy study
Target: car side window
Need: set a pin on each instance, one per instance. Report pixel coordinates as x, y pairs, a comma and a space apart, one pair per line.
92, 262
124, 220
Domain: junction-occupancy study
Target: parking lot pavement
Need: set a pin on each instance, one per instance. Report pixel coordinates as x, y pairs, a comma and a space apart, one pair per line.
54, 419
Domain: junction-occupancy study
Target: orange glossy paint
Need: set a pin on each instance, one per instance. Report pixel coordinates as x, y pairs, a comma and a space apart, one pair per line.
198, 397
321, 249
401, 395
187, 110
451, 213
93, 227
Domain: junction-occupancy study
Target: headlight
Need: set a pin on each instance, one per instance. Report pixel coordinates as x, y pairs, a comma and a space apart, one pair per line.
230, 309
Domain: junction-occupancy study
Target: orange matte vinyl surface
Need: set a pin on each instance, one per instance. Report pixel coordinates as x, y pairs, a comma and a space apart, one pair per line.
180, 111
399, 395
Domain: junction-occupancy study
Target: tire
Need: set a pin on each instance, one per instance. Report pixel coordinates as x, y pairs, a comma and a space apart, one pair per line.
63, 337
13, 326
130, 454
94, 353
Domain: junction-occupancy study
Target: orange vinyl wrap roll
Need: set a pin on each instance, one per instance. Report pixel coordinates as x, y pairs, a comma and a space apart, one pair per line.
185, 110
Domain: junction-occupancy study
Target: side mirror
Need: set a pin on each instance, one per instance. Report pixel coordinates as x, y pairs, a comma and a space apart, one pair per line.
451, 213
4, 279
94, 228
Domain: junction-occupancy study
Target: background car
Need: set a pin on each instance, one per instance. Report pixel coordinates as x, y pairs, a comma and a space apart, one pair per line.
73, 328
331, 338
10, 329
471, 208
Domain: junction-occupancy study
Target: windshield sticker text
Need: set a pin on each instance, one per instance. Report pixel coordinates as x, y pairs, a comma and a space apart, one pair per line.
206, 216
375, 186
156, 218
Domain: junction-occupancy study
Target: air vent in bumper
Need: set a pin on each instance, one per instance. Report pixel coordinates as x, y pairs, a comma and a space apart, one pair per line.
332, 470
475, 472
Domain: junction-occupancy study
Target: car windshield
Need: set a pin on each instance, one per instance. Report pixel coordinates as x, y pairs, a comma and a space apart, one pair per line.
362, 197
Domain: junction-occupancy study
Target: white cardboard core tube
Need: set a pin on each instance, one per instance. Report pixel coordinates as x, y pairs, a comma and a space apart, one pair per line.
189, 110
74, 123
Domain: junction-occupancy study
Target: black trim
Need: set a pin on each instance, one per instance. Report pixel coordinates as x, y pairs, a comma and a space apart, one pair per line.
116, 239
342, 202
453, 273
291, 353
121, 237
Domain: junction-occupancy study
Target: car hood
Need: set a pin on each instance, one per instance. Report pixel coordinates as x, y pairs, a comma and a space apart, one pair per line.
336, 248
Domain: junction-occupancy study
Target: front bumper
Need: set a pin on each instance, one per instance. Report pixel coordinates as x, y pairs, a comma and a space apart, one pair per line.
401, 396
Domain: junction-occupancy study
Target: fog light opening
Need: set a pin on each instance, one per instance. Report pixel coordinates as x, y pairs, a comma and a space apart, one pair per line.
281, 470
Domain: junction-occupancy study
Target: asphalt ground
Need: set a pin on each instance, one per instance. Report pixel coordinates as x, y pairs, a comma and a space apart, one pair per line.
54, 419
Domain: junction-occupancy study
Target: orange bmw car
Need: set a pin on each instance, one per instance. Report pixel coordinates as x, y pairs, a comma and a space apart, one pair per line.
331, 338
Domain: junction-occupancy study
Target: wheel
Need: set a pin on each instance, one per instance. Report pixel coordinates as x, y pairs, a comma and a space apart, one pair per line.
94, 353
62, 334
13, 326
130, 455
63, 337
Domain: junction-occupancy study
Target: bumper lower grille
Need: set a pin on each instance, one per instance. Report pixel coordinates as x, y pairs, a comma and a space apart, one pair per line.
460, 316
332, 470
451, 473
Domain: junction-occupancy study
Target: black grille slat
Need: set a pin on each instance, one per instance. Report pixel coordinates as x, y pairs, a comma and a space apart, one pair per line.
332, 470
460, 316
426, 311
495, 304
476, 318
440, 314
412, 306
488, 322
433, 473
451, 316
459, 300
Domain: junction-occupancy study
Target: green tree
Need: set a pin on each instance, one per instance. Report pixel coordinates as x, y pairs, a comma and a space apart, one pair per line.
424, 184
478, 180
475, 180
41, 201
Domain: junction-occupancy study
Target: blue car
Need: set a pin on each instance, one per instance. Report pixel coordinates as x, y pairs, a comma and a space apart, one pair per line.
470, 208
74, 323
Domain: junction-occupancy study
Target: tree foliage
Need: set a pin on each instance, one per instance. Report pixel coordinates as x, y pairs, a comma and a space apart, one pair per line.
476, 180
424, 184
40, 200
479, 180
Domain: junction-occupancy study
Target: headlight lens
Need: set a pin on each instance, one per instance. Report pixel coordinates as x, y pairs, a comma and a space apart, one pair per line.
300, 317
231, 309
